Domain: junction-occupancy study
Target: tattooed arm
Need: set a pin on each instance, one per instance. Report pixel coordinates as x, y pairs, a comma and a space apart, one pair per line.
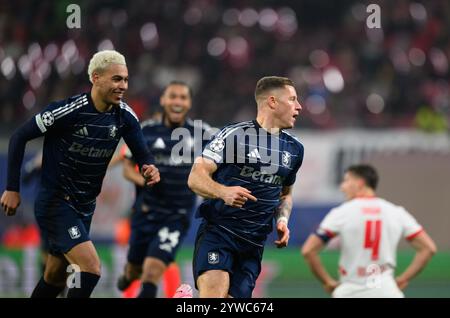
282, 216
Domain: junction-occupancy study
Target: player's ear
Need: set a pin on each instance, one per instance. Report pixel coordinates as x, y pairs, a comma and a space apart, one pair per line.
271, 101
95, 76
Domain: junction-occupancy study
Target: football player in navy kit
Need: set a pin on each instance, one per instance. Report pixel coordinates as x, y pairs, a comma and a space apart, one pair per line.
81, 135
162, 214
246, 175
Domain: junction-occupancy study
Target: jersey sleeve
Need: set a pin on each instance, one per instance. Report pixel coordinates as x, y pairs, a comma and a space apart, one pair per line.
331, 225
59, 115
55, 117
411, 228
134, 139
290, 179
208, 133
222, 146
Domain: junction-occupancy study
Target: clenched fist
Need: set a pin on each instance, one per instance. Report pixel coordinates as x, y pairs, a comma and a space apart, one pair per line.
151, 174
10, 202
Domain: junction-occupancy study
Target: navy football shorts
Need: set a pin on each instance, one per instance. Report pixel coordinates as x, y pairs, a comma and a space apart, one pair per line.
60, 224
160, 240
217, 249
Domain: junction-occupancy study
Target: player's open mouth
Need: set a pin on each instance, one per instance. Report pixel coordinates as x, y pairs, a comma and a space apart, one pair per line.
177, 109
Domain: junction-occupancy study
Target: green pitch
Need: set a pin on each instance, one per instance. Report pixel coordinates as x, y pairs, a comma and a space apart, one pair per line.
285, 272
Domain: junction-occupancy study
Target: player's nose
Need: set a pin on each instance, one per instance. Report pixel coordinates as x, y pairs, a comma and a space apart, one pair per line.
123, 85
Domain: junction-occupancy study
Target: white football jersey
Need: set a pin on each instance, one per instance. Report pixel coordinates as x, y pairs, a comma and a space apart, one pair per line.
369, 229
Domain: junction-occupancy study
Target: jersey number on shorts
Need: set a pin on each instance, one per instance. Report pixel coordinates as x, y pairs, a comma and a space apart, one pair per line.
168, 240
372, 237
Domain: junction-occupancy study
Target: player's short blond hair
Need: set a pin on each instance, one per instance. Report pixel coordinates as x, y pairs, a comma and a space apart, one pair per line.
101, 60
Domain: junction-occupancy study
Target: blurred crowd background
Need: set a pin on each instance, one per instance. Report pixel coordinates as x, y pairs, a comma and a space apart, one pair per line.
378, 95
347, 74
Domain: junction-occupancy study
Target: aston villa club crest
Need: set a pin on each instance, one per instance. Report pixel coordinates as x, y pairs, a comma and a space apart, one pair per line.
286, 159
113, 131
213, 257
74, 232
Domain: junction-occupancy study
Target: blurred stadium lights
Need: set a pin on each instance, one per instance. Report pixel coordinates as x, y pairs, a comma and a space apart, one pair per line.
105, 44
69, 51
400, 60
217, 47
120, 18
149, 35
62, 66
412, 42
311, 76
333, 80
237, 46
78, 66
248, 17
238, 49
319, 58
231, 17
287, 23
43, 68
8, 68
29, 100
34, 52
439, 61
417, 57
375, 103
25, 66
51, 52
418, 12
35, 80
268, 18
359, 12
375, 35
193, 16
315, 104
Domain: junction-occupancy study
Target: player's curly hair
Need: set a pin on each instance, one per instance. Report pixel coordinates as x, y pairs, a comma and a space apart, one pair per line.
102, 59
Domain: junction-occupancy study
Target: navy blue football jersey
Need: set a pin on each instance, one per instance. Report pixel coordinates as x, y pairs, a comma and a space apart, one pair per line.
248, 156
79, 143
174, 150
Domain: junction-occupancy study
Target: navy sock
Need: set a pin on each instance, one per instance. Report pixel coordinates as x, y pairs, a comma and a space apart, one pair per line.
45, 290
148, 290
88, 281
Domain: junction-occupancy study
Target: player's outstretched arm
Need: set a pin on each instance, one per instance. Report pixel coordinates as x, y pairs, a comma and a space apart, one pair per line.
10, 199
425, 249
201, 182
130, 173
310, 252
282, 216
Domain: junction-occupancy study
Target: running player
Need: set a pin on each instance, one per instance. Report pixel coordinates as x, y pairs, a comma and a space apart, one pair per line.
246, 174
81, 134
163, 213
